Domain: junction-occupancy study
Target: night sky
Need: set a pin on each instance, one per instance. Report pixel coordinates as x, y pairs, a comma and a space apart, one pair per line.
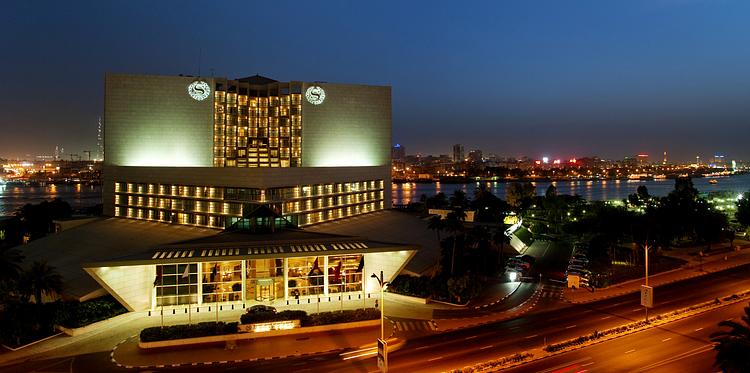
557, 78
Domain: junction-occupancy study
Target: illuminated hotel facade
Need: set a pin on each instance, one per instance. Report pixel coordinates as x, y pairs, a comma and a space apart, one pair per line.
234, 168
205, 151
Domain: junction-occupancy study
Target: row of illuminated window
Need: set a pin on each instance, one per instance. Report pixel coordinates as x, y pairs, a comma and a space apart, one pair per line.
254, 112
169, 190
180, 204
235, 208
222, 119
183, 218
338, 213
218, 221
231, 98
264, 279
247, 194
341, 200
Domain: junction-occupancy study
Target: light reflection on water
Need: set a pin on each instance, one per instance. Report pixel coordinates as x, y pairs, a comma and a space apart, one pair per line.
78, 196
593, 190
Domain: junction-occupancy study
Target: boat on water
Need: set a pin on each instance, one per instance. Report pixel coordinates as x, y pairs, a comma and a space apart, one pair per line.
713, 181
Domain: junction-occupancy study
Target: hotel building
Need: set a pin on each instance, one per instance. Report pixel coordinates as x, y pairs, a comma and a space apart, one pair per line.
207, 151
209, 182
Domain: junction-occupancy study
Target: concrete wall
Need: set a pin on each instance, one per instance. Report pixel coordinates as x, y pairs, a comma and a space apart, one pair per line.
152, 121
131, 285
352, 127
391, 263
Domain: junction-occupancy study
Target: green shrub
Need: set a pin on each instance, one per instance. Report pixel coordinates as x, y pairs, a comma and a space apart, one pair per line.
203, 329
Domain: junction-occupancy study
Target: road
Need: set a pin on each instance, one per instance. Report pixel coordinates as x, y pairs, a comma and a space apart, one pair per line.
682, 346
461, 348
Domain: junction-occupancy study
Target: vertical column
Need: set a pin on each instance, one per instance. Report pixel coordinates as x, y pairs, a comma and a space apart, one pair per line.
286, 279
153, 293
244, 279
325, 275
200, 283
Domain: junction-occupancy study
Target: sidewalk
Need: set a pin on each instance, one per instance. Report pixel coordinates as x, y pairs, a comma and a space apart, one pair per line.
129, 355
692, 269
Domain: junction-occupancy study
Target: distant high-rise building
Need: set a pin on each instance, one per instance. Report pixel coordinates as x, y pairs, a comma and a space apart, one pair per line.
458, 153
664, 161
398, 152
100, 140
642, 159
475, 156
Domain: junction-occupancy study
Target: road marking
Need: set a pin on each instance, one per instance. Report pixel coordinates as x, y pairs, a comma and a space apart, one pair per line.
629, 351
696, 351
637, 309
472, 337
435, 358
587, 364
486, 347
605, 317
617, 304
422, 348
729, 319
570, 327
566, 365
514, 327
531, 336
666, 339
699, 329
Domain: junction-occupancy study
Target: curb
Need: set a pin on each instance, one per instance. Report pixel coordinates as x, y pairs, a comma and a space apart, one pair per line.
114, 361
687, 277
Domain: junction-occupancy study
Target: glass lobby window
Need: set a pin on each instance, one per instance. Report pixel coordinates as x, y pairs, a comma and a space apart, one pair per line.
306, 276
222, 281
176, 284
345, 273
264, 279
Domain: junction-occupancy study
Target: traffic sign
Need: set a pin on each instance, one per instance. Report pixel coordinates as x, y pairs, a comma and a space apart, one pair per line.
647, 296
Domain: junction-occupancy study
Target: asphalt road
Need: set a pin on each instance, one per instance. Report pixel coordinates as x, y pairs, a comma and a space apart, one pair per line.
682, 346
651, 349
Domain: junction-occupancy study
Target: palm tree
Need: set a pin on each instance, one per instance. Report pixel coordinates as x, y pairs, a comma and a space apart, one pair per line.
40, 279
437, 224
454, 223
10, 264
733, 345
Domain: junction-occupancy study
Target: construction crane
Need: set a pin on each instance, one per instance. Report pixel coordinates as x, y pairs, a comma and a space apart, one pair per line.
72, 155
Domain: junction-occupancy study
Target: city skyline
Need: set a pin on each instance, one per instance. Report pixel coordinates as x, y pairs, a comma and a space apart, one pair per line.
516, 79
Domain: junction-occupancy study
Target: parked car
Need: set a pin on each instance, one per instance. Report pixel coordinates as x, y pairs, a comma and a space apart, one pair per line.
515, 262
580, 262
260, 308
527, 258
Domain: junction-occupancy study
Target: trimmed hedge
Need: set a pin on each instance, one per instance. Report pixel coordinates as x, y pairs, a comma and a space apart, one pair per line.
336, 317
204, 329
322, 318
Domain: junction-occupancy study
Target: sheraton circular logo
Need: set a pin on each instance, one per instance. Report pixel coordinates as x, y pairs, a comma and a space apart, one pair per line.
315, 95
199, 90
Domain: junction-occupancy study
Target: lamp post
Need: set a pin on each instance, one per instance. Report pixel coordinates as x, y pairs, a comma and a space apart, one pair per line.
382, 343
382, 284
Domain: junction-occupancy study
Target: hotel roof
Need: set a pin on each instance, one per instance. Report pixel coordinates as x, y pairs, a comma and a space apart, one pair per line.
116, 241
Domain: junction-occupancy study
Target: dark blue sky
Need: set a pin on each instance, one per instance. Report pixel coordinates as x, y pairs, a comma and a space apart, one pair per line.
559, 78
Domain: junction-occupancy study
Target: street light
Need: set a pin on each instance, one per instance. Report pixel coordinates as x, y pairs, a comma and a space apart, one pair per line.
383, 284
